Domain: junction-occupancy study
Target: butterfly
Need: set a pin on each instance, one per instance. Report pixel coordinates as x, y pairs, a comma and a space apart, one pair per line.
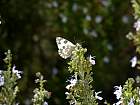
65, 47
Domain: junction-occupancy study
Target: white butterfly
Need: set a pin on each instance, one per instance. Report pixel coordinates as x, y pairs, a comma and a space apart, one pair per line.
65, 47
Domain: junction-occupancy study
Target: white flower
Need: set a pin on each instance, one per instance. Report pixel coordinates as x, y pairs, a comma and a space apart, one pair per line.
98, 19
118, 103
88, 17
27, 102
85, 10
54, 71
131, 102
106, 59
94, 33
98, 97
64, 18
105, 2
74, 7
133, 61
16, 72
1, 80
125, 19
1, 71
137, 25
55, 4
45, 103
109, 47
85, 30
118, 91
73, 81
92, 60
67, 93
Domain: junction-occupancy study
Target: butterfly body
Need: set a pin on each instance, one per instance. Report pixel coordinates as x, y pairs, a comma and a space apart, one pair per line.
65, 47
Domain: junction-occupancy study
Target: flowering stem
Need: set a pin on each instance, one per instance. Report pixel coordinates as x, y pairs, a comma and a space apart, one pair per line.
9, 89
81, 93
40, 93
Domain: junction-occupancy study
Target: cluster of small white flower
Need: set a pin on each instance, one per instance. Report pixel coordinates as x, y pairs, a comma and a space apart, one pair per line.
1, 79
137, 25
45, 103
92, 59
133, 61
53, 4
18, 74
131, 102
118, 89
72, 81
97, 96
63, 17
118, 93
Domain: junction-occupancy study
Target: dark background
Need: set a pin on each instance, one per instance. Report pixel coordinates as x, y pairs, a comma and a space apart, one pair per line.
29, 29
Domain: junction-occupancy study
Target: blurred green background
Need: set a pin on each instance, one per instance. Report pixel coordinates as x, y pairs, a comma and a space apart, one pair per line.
29, 28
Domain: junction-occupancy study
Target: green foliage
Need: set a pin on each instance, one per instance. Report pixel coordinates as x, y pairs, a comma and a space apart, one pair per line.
135, 36
9, 89
40, 93
29, 29
130, 94
9, 86
136, 7
127, 92
81, 93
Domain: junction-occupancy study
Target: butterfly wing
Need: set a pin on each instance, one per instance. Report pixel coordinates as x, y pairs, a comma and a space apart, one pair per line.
65, 47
